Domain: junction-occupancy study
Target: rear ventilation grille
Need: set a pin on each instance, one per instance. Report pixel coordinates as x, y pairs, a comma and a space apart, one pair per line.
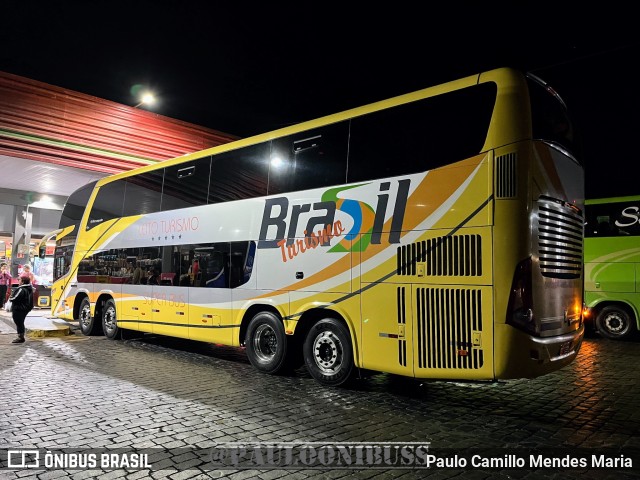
560, 234
449, 328
455, 255
506, 166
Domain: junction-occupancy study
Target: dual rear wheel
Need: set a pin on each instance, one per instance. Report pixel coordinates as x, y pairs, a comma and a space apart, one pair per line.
107, 324
326, 350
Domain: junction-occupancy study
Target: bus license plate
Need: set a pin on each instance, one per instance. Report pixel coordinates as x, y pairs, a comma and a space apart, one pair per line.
565, 347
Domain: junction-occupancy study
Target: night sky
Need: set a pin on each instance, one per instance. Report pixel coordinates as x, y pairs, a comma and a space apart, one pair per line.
245, 70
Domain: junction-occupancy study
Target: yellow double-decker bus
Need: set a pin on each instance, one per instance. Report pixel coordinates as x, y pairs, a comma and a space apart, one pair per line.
436, 234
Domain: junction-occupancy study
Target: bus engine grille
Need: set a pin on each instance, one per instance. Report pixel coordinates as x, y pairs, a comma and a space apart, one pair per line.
454, 255
449, 327
560, 234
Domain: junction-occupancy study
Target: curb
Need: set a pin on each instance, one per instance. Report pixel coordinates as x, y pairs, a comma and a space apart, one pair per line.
53, 328
58, 331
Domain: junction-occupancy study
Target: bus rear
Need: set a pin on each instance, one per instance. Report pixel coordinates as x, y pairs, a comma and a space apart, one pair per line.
539, 191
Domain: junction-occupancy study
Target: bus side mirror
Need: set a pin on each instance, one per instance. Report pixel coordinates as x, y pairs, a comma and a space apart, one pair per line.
42, 252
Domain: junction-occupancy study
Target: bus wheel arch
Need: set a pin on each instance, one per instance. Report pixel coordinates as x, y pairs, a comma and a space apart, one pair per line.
616, 321
328, 350
89, 324
264, 339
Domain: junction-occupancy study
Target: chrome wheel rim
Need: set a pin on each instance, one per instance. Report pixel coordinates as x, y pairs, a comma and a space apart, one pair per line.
328, 353
265, 343
110, 322
615, 324
85, 317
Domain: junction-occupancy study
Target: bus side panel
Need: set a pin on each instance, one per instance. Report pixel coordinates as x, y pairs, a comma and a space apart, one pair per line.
438, 323
428, 307
129, 306
133, 308
169, 315
610, 277
611, 269
210, 316
612, 273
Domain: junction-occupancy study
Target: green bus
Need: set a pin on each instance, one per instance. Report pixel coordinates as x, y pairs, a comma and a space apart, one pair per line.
612, 265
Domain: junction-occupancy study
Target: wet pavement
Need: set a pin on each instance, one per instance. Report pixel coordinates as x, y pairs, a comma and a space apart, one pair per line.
180, 402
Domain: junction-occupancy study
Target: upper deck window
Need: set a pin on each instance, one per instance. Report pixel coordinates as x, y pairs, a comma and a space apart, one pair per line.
421, 135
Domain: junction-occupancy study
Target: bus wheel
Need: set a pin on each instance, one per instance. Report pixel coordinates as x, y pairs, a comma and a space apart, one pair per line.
327, 352
266, 343
614, 322
88, 324
109, 320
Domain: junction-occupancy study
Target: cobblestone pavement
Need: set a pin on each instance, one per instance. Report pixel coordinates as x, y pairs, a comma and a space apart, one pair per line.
178, 398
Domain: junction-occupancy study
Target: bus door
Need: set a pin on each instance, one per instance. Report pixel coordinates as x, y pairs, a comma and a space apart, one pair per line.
387, 332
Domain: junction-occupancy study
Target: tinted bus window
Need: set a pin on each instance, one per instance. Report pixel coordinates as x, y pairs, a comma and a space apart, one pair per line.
618, 219
310, 159
186, 185
421, 135
143, 193
239, 174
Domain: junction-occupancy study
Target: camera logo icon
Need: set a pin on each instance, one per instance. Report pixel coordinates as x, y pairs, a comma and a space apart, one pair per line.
23, 458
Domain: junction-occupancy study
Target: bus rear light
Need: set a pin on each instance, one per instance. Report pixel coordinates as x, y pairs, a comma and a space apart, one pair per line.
520, 312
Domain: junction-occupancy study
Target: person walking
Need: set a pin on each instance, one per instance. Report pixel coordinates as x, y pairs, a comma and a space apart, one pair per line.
21, 305
5, 284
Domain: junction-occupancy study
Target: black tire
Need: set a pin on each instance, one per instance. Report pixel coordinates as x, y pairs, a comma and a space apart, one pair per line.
88, 324
328, 353
110, 320
615, 322
266, 343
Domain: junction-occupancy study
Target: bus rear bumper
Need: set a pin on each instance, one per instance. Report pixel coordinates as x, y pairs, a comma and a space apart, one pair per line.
529, 356
557, 349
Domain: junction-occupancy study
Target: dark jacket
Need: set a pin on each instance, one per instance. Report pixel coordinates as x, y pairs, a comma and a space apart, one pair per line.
22, 299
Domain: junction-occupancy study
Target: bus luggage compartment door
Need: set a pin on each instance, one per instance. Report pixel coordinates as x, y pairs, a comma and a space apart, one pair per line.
387, 334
